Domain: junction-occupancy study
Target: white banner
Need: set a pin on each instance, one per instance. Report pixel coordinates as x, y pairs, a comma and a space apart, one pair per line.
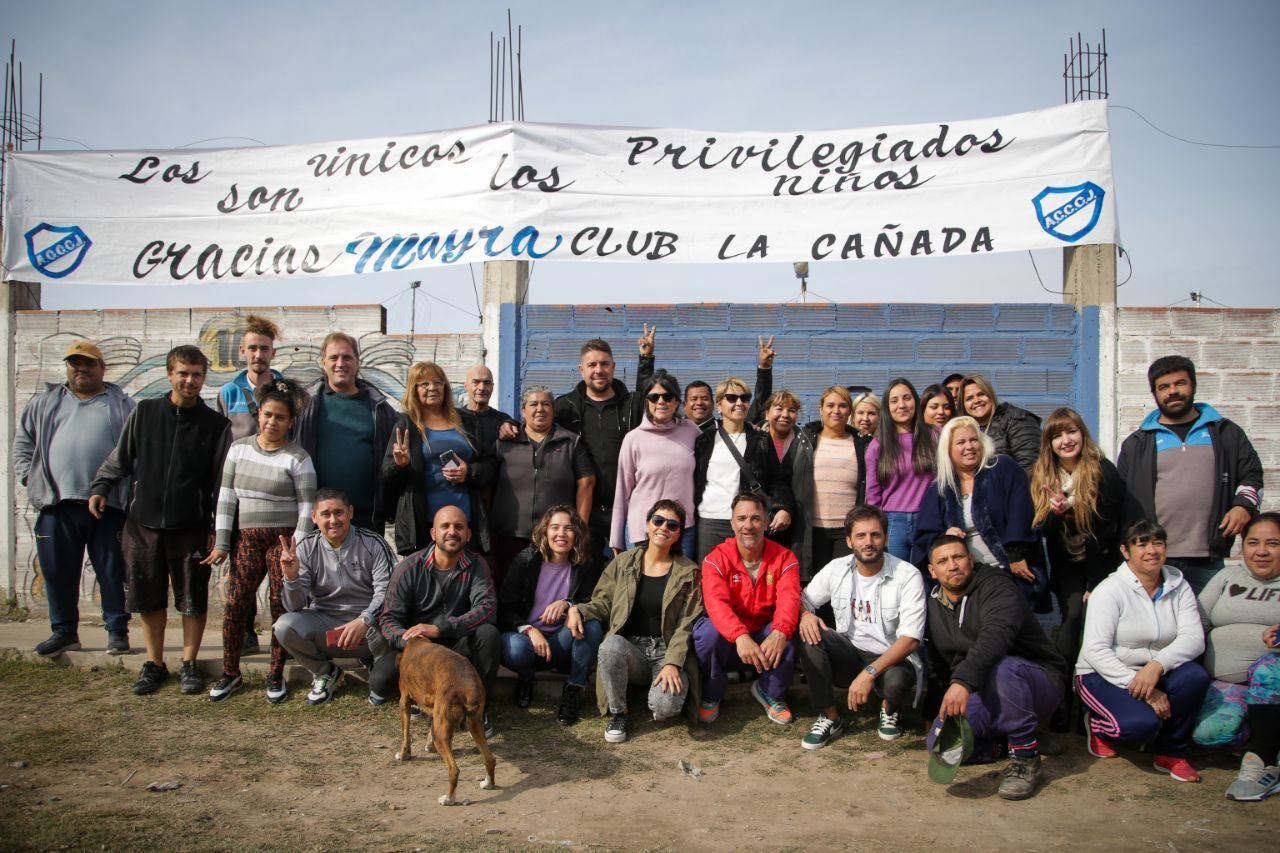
521, 191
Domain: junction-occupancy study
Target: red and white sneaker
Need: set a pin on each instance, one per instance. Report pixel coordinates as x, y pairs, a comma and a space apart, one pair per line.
1178, 768
1099, 748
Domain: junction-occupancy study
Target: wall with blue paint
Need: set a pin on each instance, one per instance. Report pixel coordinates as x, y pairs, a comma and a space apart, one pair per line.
1033, 353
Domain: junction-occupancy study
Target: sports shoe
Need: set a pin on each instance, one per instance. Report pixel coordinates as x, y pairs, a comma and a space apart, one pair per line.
1098, 747
277, 689
250, 645
570, 699
415, 713
823, 732
524, 692
1255, 781
324, 686
1021, 778
709, 712
889, 729
1177, 767
149, 680
777, 711
375, 700
615, 731
58, 643
118, 642
226, 685
190, 678
489, 730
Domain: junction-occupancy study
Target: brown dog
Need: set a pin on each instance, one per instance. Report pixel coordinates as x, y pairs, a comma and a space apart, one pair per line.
447, 687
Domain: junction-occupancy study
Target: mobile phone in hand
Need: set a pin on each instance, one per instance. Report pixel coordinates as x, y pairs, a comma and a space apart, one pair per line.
449, 459
333, 636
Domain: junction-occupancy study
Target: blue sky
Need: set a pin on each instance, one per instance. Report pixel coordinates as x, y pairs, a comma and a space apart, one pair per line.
164, 74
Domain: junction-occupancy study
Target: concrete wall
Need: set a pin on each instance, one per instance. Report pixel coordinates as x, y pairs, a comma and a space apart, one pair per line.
1237, 358
1031, 352
134, 344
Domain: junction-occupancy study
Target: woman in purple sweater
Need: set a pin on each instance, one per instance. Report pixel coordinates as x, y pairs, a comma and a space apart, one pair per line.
655, 463
900, 464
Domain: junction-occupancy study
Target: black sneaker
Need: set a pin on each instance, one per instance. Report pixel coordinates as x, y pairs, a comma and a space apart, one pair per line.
524, 692
415, 713
57, 644
250, 645
149, 680
615, 731
118, 642
190, 678
226, 685
570, 698
489, 730
277, 690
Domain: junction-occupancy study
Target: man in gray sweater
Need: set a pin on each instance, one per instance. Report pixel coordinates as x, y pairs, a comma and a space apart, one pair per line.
335, 579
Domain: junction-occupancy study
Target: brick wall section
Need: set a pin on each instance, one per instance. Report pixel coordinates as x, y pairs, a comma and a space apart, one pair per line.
1237, 358
134, 343
1029, 351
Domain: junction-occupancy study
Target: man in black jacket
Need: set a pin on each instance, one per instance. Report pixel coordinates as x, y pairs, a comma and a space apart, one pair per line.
346, 429
444, 593
602, 410
1191, 471
172, 447
1004, 674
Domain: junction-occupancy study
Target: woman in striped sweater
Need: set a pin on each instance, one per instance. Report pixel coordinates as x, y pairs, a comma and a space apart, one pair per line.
268, 488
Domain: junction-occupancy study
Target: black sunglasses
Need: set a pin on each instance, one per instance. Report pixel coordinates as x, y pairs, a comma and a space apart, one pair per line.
733, 398
660, 398
671, 524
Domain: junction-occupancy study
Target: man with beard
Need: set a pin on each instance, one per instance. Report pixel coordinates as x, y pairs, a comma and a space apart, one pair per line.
878, 601
1191, 471
444, 593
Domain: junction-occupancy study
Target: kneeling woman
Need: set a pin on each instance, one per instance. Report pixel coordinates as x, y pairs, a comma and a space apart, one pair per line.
649, 596
542, 582
1137, 674
1242, 708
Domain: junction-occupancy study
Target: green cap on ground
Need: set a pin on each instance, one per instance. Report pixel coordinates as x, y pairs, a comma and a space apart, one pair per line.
953, 743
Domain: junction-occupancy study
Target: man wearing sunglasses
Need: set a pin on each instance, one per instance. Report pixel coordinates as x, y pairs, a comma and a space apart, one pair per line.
751, 589
602, 410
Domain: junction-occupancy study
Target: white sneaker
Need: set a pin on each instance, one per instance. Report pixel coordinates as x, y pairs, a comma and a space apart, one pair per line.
1255, 781
324, 686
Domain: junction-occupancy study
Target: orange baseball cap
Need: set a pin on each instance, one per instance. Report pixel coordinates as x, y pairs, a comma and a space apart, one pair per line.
84, 349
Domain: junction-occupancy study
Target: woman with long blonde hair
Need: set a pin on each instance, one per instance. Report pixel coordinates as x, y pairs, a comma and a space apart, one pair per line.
1078, 495
435, 459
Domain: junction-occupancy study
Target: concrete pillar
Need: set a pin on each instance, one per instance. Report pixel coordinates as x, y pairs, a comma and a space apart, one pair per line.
506, 288
14, 296
1089, 283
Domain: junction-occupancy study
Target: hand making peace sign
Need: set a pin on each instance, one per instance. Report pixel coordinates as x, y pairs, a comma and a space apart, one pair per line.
400, 448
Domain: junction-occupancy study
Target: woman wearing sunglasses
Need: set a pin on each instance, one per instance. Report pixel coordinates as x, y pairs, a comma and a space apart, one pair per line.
735, 457
654, 462
649, 597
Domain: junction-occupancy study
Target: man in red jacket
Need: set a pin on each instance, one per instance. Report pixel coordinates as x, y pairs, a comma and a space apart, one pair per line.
751, 589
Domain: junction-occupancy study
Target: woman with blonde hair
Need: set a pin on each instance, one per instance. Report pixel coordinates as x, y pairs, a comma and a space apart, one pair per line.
828, 478
1078, 496
435, 459
1014, 431
983, 498
864, 414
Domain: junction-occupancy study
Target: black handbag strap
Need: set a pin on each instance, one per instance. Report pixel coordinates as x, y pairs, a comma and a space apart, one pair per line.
737, 457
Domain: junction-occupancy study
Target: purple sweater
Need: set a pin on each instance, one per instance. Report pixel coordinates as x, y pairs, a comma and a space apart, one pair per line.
904, 491
655, 463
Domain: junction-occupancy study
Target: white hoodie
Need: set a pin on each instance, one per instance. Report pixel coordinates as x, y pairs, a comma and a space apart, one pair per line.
1124, 629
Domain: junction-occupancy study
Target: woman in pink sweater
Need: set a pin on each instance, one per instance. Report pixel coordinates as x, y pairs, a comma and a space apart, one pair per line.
655, 463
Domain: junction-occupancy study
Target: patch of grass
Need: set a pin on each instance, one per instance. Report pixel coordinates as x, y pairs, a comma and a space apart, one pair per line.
11, 611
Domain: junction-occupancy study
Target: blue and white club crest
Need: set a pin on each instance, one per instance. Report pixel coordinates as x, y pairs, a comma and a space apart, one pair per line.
1069, 213
56, 250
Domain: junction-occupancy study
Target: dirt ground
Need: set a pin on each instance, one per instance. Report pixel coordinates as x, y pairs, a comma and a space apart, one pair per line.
78, 750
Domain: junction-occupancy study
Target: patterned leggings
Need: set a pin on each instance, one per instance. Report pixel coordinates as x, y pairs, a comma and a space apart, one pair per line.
255, 553
1224, 714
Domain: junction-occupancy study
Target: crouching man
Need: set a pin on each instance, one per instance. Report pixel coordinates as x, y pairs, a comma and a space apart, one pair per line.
444, 593
335, 579
1005, 675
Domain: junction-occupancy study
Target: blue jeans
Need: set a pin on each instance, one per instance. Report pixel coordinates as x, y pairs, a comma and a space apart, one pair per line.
902, 529
63, 533
576, 656
1197, 570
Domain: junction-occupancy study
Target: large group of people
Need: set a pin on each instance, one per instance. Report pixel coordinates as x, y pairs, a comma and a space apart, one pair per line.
895, 551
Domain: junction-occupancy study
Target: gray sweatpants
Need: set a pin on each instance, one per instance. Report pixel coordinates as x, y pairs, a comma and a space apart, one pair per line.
301, 633
637, 660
